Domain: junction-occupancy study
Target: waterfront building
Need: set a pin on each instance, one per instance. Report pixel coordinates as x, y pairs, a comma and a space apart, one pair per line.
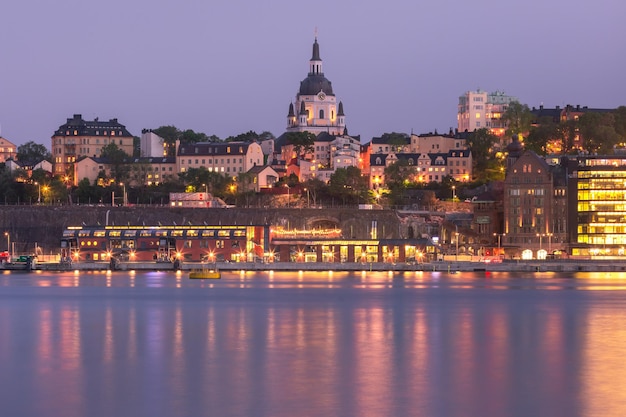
597, 189
78, 137
480, 109
8, 150
226, 158
535, 205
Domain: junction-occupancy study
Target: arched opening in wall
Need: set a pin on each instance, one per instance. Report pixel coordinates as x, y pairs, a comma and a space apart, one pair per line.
321, 114
323, 224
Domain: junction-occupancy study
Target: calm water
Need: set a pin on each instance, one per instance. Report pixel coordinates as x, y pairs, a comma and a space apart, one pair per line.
313, 344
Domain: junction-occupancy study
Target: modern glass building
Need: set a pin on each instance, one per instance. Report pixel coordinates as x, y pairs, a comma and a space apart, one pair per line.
599, 185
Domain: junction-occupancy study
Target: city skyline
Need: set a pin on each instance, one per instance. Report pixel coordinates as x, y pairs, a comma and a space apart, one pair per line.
225, 69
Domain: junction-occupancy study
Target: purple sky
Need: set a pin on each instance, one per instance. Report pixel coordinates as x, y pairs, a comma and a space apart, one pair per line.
224, 67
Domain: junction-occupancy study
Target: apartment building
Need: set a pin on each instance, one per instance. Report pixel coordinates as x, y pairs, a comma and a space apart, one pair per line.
78, 138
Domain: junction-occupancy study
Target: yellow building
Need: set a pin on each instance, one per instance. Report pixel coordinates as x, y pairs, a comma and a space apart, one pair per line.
78, 138
599, 184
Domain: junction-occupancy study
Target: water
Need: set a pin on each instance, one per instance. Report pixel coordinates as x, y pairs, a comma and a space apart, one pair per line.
313, 344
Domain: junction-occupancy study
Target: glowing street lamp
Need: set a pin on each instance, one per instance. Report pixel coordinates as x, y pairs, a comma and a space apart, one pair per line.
124, 193
38, 192
8, 241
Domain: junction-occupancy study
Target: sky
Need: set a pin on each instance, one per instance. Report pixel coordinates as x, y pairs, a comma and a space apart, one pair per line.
224, 67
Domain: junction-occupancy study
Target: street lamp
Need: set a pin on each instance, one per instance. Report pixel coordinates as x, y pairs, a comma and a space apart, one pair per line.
45, 190
500, 235
454, 193
456, 255
38, 192
206, 189
549, 242
8, 242
539, 235
124, 193
288, 196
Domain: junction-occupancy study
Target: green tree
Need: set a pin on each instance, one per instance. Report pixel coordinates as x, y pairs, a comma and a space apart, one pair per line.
396, 141
518, 118
120, 169
302, 142
349, 185
620, 122
33, 152
598, 132
480, 143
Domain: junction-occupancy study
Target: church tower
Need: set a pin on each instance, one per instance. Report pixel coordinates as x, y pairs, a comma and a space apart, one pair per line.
316, 103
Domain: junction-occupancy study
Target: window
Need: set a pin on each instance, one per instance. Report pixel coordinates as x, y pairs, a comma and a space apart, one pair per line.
321, 114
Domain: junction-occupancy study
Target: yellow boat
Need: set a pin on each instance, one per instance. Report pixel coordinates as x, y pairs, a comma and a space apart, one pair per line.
205, 274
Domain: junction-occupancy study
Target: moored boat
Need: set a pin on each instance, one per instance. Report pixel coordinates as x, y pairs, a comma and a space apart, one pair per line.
205, 274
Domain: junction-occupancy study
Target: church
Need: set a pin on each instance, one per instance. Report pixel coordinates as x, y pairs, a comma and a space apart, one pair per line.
316, 104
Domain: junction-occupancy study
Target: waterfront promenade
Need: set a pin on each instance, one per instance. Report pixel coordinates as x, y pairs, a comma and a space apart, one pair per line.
441, 266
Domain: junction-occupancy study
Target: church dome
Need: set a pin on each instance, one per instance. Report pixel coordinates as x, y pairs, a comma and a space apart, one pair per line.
315, 83
515, 147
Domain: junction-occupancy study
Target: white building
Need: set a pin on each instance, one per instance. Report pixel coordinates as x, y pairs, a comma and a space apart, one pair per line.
152, 145
316, 109
479, 109
227, 158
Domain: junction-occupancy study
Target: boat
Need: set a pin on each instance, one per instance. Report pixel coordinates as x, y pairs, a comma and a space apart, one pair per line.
205, 273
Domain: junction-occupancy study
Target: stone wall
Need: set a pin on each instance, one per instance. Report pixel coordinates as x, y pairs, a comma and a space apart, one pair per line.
43, 225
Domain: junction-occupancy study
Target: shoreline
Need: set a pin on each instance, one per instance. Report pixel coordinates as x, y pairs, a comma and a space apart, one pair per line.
440, 266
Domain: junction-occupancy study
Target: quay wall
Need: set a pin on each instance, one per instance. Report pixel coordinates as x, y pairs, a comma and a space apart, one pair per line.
42, 226
558, 267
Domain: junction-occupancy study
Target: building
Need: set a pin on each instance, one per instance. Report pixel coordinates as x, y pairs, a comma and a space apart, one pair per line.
143, 171
264, 176
597, 196
479, 109
558, 115
535, 205
316, 109
78, 138
28, 166
8, 150
152, 145
426, 166
226, 158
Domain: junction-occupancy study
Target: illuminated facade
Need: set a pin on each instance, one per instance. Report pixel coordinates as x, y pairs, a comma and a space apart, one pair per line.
78, 138
535, 207
479, 109
316, 109
8, 150
599, 188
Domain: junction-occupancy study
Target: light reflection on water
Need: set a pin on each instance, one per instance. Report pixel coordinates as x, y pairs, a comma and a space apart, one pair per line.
313, 343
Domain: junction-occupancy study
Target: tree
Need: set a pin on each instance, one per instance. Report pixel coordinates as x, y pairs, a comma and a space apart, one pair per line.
397, 141
518, 118
302, 142
120, 170
248, 137
598, 132
620, 122
33, 152
348, 184
480, 143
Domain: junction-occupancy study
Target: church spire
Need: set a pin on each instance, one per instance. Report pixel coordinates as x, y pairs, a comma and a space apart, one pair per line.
315, 64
